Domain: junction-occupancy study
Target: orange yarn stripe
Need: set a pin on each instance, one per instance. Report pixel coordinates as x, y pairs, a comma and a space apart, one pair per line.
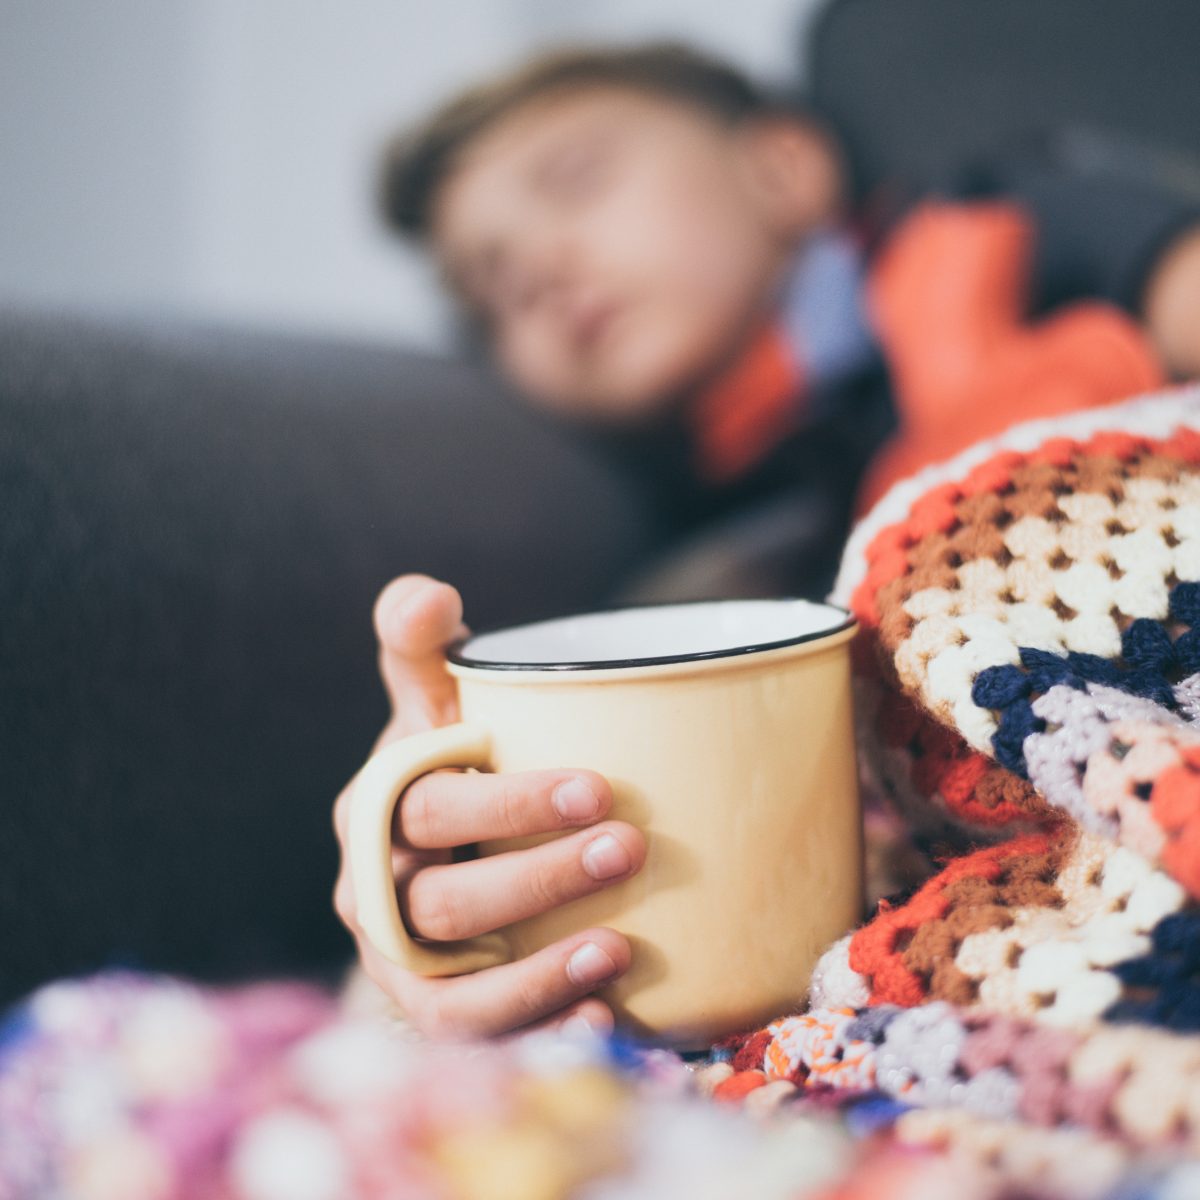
887, 557
876, 950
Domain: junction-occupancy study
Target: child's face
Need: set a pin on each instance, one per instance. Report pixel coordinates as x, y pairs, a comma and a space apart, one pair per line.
617, 244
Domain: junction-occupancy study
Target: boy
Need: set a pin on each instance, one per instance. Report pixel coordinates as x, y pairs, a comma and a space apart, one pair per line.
644, 240
654, 249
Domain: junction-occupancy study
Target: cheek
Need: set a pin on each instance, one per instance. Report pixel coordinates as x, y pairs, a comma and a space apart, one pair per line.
695, 251
701, 287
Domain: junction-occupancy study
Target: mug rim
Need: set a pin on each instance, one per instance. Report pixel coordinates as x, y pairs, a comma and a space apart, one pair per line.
455, 655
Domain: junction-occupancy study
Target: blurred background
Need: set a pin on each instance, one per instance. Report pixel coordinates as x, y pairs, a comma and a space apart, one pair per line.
215, 158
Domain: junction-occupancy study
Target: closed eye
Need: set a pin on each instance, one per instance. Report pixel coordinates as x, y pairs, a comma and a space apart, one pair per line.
489, 282
498, 293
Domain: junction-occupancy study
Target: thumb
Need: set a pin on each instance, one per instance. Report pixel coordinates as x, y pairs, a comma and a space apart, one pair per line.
416, 618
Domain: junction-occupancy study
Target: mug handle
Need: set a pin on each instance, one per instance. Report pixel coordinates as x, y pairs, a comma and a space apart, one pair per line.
377, 791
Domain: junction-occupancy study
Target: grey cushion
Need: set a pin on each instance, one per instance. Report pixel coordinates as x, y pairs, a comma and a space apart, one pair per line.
195, 525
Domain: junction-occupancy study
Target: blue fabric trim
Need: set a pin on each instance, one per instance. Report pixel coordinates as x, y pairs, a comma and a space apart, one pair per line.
823, 311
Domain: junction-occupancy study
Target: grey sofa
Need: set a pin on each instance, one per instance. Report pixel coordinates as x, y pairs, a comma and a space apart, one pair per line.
194, 526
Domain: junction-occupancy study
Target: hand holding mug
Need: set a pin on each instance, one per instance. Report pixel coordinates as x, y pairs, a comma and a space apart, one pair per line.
443, 900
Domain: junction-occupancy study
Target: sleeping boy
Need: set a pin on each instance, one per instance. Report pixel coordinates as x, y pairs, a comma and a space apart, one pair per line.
653, 248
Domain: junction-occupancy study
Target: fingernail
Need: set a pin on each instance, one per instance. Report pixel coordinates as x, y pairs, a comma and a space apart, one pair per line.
575, 801
590, 965
605, 857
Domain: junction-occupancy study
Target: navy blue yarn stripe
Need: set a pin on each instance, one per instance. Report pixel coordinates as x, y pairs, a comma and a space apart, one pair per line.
1166, 980
1149, 664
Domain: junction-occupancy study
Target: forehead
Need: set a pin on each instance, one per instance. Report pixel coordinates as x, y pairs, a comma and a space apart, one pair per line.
567, 108
507, 153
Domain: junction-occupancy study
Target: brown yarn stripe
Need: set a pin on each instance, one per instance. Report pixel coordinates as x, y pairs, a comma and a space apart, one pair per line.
1034, 491
976, 905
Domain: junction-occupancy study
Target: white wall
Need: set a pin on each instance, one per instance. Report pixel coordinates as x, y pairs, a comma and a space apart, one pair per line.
216, 157
93, 175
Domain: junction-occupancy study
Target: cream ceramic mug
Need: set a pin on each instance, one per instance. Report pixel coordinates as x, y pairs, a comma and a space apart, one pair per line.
725, 730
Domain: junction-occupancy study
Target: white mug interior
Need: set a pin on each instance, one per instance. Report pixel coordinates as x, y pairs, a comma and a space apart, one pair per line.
651, 635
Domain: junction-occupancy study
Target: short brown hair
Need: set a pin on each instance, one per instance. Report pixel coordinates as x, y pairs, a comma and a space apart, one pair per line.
416, 163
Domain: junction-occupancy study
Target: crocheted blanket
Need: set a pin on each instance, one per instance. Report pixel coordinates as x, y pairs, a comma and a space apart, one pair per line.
1028, 701
1020, 1018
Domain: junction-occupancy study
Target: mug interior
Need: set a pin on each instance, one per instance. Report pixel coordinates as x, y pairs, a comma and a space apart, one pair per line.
665, 633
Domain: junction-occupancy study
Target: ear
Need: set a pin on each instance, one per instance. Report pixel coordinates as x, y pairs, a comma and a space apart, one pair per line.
794, 173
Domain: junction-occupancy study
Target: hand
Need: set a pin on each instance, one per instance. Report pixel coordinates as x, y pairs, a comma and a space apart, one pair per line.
415, 618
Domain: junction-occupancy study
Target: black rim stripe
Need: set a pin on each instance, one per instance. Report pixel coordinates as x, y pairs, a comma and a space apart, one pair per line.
456, 655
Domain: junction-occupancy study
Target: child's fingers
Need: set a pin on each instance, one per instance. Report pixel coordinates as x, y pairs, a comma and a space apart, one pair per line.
415, 619
459, 900
591, 1012
446, 809
509, 997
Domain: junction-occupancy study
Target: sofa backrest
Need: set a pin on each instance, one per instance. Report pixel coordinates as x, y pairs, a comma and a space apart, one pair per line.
194, 526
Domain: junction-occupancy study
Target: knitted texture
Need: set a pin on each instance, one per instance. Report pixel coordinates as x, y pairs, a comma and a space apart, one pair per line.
1028, 685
